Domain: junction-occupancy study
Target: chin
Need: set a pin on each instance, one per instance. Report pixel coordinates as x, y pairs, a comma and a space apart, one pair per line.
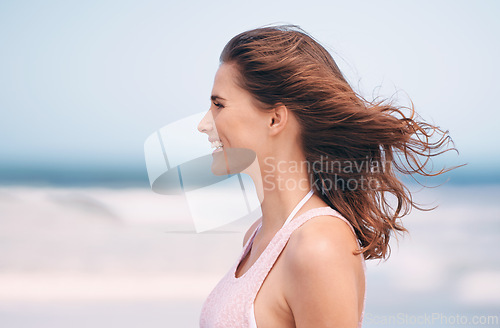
232, 160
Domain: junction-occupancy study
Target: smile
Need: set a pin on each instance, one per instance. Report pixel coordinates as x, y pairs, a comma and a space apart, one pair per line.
217, 145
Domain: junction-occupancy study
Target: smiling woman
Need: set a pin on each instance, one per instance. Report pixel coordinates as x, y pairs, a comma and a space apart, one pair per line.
279, 93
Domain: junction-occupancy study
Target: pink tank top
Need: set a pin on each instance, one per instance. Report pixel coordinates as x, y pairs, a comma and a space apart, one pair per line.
230, 304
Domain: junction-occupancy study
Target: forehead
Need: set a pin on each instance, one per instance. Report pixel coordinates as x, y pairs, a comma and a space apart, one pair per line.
225, 81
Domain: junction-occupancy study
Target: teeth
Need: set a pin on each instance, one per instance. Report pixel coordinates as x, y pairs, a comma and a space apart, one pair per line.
216, 144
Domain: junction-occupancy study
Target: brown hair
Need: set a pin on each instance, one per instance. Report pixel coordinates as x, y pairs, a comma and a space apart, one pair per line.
283, 64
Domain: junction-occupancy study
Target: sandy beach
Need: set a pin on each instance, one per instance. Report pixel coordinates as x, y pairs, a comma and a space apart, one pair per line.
99, 257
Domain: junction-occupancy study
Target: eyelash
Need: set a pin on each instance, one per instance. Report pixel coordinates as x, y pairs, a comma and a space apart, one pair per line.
218, 105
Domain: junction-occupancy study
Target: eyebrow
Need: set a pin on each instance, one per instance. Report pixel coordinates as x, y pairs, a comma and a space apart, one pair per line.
215, 97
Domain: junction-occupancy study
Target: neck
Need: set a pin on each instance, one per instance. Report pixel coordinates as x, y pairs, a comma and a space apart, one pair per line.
285, 183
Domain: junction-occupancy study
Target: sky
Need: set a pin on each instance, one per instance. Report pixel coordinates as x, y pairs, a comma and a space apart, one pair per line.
83, 84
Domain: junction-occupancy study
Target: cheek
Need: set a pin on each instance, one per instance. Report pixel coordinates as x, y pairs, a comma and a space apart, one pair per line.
241, 129
221, 123
253, 131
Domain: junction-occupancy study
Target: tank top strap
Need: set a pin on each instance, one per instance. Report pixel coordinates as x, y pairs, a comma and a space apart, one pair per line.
278, 243
318, 212
246, 247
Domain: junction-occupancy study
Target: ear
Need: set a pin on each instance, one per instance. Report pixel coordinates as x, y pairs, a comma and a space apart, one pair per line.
278, 119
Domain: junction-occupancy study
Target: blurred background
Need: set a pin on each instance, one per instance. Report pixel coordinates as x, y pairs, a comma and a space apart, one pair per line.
84, 242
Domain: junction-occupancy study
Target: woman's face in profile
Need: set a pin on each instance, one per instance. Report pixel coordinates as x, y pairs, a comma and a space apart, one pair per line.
233, 121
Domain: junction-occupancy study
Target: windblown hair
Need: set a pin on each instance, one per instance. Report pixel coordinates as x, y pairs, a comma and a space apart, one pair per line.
284, 65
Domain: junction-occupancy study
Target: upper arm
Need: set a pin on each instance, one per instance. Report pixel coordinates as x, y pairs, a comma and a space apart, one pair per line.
322, 275
251, 230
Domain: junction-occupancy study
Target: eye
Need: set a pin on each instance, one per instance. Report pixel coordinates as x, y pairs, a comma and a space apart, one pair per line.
218, 105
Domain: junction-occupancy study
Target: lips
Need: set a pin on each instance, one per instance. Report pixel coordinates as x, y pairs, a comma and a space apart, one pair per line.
217, 144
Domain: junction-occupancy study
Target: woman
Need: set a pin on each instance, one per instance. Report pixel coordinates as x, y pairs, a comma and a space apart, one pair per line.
328, 160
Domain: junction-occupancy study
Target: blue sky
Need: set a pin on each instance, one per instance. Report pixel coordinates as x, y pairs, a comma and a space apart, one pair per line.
85, 83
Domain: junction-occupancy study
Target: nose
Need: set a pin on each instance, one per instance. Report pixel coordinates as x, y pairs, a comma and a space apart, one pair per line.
206, 123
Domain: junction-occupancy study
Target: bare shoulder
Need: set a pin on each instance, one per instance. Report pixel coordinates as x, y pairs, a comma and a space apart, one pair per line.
325, 236
251, 230
323, 277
